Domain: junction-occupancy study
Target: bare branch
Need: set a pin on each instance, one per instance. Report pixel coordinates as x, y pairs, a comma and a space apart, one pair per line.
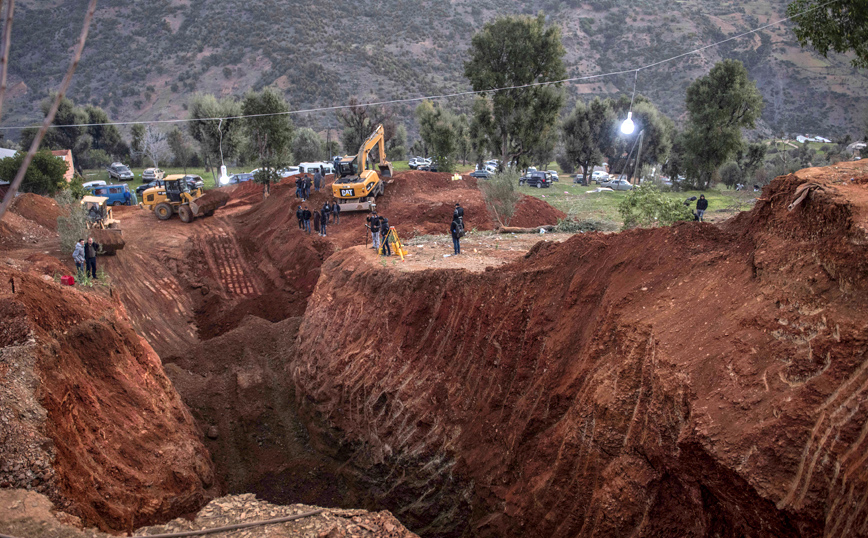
4, 50
49, 118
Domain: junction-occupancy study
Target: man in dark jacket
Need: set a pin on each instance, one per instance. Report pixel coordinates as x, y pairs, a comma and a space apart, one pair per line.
326, 211
336, 211
374, 225
384, 234
317, 180
299, 214
299, 186
306, 215
90, 250
307, 183
701, 206
459, 212
455, 229
324, 219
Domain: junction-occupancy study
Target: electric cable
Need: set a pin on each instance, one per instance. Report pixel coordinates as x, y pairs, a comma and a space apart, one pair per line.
454, 94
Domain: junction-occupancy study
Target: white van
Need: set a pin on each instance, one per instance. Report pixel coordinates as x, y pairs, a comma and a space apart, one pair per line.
98, 183
310, 168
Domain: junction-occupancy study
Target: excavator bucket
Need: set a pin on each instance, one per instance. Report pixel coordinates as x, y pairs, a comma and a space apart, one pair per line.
385, 169
208, 202
110, 239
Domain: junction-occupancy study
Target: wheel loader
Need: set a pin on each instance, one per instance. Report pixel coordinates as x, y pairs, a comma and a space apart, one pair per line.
102, 225
174, 196
356, 186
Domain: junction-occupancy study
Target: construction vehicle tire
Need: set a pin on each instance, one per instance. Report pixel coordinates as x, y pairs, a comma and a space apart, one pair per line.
163, 211
185, 213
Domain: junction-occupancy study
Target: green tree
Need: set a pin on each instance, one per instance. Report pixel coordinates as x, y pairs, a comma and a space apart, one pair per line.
105, 137
270, 137
137, 144
730, 174
719, 106
656, 130
544, 153
44, 176
396, 147
218, 139
437, 127
587, 132
839, 26
181, 148
308, 146
514, 52
500, 195
360, 121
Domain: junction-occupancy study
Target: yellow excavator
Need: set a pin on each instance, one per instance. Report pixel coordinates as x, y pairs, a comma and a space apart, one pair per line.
173, 195
357, 186
101, 224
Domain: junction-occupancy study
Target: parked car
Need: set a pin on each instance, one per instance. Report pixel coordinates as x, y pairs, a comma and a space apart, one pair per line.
120, 172
481, 174
617, 185
599, 176
414, 162
554, 175
97, 183
536, 179
195, 182
429, 167
240, 178
288, 171
150, 174
115, 194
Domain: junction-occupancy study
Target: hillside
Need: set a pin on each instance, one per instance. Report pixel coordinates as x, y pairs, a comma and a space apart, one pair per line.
144, 59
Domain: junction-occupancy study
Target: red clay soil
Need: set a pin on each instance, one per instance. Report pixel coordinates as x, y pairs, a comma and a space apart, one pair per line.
39, 209
99, 420
687, 381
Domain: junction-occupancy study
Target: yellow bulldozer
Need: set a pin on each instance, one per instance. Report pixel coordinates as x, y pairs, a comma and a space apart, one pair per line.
357, 186
102, 225
173, 195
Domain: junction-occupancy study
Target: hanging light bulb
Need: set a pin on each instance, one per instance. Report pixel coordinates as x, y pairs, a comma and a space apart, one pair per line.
628, 126
224, 178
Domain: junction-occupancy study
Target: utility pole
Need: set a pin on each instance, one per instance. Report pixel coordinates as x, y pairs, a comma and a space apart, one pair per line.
638, 154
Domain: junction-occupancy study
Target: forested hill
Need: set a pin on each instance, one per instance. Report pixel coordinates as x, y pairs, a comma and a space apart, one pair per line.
145, 58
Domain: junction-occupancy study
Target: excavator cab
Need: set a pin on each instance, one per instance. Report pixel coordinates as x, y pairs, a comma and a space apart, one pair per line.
174, 188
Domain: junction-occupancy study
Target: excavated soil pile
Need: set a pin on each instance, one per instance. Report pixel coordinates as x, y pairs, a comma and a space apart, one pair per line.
88, 415
39, 209
685, 381
31, 219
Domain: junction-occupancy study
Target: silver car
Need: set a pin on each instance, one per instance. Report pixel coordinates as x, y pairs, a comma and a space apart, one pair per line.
617, 185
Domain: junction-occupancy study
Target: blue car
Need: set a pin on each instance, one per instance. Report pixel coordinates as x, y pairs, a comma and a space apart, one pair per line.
116, 194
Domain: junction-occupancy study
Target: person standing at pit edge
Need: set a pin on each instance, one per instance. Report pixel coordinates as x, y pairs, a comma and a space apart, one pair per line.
317, 180
701, 206
306, 216
78, 256
336, 212
90, 250
299, 214
455, 229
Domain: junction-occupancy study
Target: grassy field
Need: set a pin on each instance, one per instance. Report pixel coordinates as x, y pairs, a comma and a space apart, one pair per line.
577, 202
94, 175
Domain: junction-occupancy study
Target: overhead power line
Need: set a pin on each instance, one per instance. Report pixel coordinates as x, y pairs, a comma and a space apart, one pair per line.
635, 70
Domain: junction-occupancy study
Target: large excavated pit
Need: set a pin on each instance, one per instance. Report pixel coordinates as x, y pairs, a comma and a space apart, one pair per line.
698, 380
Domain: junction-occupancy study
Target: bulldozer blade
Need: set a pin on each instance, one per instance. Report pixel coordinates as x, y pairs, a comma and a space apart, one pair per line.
208, 202
110, 240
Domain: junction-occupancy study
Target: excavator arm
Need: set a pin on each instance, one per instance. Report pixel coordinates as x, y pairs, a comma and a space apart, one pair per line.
377, 139
358, 186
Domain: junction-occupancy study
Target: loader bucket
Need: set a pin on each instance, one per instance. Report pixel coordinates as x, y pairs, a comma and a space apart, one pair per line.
111, 239
385, 170
208, 202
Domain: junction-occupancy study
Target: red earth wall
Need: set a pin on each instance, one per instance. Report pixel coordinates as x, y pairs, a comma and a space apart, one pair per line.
683, 381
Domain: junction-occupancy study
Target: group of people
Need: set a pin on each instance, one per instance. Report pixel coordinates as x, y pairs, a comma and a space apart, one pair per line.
329, 212
84, 255
379, 226
303, 183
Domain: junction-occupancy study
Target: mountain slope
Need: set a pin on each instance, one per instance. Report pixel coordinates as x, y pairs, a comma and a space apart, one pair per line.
144, 59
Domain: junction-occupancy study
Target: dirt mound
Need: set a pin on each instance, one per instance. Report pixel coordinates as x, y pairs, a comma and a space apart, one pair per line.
39, 209
95, 418
690, 381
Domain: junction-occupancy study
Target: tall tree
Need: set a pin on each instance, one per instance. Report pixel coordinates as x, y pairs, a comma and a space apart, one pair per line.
308, 146
217, 138
269, 136
396, 147
516, 52
137, 143
588, 132
154, 145
719, 106
359, 122
839, 26
656, 130
437, 127
180, 146
44, 176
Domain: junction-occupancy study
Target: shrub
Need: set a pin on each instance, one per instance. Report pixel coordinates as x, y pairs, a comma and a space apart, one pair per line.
645, 206
72, 225
500, 195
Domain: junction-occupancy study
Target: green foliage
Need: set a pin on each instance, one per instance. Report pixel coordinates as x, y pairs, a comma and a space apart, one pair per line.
840, 26
588, 131
44, 176
308, 146
439, 128
500, 195
360, 121
72, 224
269, 137
396, 147
181, 147
509, 52
645, 206
216, 138
137, 144
730, 174
719, 105
656, 130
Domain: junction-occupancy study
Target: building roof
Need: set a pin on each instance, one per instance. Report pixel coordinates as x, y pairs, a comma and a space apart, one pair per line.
7, 153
